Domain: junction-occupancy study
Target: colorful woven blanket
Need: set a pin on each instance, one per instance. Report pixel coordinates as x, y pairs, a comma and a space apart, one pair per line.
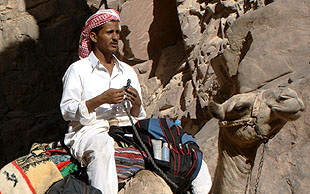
49, 163
30, 174
128, 161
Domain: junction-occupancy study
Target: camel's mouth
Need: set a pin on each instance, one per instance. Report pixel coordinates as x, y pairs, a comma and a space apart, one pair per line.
291, 115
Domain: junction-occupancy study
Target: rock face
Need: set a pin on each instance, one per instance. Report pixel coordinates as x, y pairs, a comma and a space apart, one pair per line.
38, 41
185, 52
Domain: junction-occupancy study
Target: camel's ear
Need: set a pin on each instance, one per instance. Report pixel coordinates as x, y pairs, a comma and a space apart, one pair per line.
216, 110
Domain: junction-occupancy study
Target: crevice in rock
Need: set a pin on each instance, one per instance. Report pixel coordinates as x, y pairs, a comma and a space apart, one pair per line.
246, 46
164, 31
165, 107
128, 54
268, 1
228, 83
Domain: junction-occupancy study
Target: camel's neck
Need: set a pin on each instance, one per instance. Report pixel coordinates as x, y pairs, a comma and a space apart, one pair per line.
233, 166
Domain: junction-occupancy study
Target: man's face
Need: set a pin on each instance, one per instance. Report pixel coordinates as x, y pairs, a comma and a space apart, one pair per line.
107, 38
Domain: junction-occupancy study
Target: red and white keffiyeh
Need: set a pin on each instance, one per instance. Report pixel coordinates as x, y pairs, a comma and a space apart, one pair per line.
99, 18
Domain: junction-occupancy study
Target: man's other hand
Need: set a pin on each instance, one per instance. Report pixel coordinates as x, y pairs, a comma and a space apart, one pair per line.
133, 96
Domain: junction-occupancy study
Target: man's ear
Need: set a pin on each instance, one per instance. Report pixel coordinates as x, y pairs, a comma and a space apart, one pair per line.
93, 36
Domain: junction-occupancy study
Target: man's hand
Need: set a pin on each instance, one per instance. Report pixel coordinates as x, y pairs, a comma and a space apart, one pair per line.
111, 96
133, 96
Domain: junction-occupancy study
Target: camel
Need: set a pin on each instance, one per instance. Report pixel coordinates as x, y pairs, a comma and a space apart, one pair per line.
245, 122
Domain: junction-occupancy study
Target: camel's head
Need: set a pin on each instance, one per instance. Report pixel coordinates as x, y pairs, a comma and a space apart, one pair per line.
257, 115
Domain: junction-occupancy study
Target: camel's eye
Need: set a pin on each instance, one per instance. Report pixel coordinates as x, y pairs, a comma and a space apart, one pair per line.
241, 108
282, 98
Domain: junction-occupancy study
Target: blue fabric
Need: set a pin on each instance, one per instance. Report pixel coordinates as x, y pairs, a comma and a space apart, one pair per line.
155, 129
187, 138
199, 160
170, 123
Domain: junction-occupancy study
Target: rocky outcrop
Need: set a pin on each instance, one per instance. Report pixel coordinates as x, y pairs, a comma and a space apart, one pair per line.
185, 52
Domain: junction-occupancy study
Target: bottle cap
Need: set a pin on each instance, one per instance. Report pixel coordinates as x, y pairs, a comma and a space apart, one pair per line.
177, 122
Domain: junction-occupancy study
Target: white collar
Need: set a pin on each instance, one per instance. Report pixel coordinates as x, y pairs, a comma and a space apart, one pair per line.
96, 64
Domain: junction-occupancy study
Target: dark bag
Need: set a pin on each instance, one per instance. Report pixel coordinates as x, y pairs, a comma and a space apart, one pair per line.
185, 155
71, 185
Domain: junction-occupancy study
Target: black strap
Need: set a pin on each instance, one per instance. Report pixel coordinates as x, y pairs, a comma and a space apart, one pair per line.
118, 134
162, 174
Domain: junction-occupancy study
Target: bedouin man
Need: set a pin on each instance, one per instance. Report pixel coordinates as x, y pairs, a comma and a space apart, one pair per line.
93, 90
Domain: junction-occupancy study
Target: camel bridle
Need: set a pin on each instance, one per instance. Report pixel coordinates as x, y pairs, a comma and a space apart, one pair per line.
249, 121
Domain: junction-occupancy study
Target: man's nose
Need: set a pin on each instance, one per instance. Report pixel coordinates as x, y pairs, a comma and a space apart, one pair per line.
115, 36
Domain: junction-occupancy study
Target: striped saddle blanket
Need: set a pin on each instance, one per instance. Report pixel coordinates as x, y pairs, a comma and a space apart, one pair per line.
49, 163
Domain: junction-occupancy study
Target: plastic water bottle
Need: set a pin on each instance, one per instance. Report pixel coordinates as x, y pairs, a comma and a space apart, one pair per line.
177, 122
166, 152
157, 149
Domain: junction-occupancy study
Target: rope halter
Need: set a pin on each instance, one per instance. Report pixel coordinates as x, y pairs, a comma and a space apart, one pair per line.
249, 121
